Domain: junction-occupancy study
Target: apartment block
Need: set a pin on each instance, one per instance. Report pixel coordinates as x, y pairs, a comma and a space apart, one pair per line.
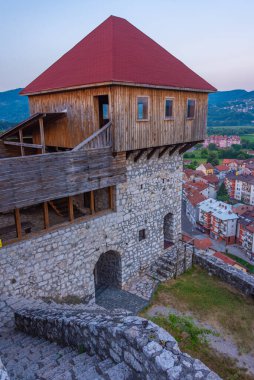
218, 220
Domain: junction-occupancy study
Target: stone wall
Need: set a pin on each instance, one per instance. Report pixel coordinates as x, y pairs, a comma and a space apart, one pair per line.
233, 276
61, 262
147, 349
3, 372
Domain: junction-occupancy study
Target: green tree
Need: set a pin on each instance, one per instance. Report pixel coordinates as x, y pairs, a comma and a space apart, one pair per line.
212, 146
204, 153
222, 194
193, 165
213, 158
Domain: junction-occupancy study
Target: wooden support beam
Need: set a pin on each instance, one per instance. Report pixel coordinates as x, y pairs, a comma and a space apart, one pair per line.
92, 202
110, 197
151, 153
43, 150
18, 223
46, 215
128, 154
21, 141
71, 211
187, 147
140, 153
163, 151
26, 145
174, 149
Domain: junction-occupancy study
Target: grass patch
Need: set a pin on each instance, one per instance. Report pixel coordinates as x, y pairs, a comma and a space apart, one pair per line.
184, 330
192, 339
244, 263
249, 137
212, 301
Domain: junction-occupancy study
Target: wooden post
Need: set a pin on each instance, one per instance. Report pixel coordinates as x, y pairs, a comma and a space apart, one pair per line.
110, 198
92, 202
43, 150
71, 212
46, 215
21, 140
18, 223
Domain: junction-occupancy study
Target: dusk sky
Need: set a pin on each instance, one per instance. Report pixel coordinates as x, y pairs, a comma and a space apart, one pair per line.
215, 38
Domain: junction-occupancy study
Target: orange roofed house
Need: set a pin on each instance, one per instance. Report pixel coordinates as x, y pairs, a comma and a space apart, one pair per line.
92, 179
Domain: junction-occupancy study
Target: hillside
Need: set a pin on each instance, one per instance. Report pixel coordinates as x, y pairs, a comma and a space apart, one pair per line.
13, 108
231, 108
226, 108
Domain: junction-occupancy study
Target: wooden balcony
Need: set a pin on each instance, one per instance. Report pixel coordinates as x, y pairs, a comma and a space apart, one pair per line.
29, 180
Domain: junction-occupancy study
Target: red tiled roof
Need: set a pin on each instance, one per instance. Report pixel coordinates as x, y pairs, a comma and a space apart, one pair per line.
116, 51
221, 168
224, 258
200, 186
250, 228
208, 166
194, 197
203, 243
211, 178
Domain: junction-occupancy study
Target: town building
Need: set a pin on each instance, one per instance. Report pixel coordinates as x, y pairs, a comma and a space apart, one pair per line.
240, 187
91, 182
245, 232
218, 220
193, 199
221, 171
206, 168
222, 141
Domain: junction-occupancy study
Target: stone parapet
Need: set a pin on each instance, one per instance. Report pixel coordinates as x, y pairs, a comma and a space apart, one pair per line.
150, 351
3, 372
233, 276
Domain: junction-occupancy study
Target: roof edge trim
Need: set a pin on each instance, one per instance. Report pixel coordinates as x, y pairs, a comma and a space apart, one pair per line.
112, 83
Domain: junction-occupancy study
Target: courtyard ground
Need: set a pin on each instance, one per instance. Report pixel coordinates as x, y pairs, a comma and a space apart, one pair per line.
211, 321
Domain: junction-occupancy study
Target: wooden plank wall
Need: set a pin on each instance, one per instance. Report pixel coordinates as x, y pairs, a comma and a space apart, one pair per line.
131, 134
8, 151
128, 133
82, 117
25, 181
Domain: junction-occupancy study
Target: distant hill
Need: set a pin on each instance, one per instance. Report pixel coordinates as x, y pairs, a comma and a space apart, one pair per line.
13, 108
231, 108
225, 108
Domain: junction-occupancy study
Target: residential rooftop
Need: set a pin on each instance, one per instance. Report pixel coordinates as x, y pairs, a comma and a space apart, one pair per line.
218, 209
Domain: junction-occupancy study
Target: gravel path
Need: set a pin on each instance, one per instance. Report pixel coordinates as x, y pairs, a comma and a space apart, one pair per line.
223, 343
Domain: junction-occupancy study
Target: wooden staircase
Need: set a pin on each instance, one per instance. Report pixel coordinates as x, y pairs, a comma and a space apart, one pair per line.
61, 208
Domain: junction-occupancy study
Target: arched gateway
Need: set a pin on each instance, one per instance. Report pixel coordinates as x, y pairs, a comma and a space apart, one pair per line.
108, 270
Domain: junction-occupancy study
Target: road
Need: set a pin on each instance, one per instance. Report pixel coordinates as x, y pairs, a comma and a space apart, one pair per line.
234, 249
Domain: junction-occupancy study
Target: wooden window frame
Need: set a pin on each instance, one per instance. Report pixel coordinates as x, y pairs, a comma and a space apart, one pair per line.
192, 117
173, 108
148, 107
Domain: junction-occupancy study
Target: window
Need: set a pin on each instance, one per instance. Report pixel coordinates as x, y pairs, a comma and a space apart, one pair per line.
168, 108
142, 234
105, 112
142, 108
191, 108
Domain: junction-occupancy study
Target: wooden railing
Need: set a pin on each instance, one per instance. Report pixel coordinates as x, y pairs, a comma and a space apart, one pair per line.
99, 139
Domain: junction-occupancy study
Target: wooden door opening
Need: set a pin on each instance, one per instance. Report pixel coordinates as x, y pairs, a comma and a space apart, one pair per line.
103, 109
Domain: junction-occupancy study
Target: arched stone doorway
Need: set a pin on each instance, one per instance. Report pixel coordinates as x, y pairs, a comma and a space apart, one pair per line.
108, 270
168, 230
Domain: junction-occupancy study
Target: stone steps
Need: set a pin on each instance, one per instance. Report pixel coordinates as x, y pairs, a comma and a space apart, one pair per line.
173, 260
29, 358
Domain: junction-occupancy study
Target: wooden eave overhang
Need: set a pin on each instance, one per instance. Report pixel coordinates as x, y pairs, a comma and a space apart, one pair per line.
33, 121
116, 83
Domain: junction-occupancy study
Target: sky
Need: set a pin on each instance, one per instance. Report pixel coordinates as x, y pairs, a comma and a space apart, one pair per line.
214, 38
